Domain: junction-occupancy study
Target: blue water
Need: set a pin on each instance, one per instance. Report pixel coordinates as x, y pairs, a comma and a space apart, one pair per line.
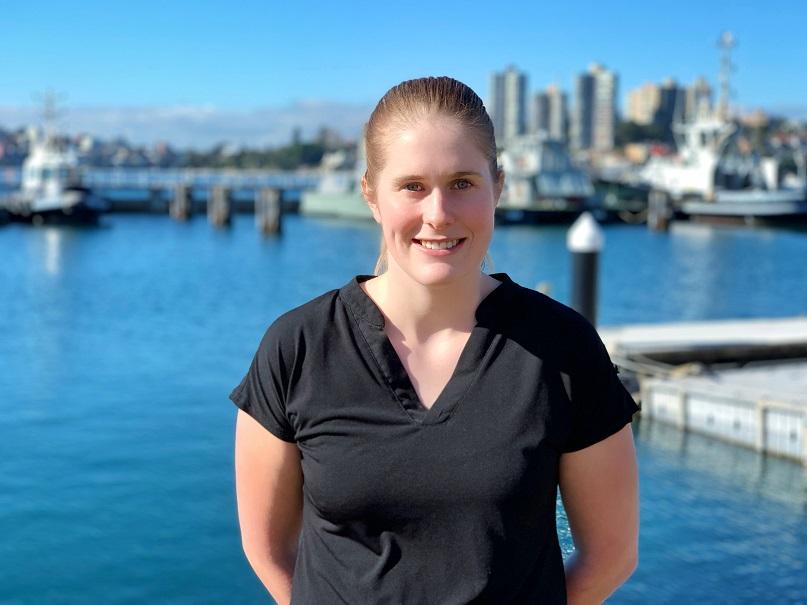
120, 344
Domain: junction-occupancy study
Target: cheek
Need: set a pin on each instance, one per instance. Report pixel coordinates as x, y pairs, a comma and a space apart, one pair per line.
399, 222
481, 215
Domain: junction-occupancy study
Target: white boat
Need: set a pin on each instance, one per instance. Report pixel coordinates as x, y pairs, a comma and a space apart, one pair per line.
51, 190
542, 184
708, 178
712, 177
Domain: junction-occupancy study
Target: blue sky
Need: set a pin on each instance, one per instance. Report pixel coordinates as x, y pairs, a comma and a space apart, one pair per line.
228, 58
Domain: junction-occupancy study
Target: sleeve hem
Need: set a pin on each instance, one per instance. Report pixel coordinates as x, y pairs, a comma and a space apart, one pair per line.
607, 430
242, 402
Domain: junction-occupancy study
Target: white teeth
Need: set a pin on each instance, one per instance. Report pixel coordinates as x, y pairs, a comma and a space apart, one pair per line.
442, 245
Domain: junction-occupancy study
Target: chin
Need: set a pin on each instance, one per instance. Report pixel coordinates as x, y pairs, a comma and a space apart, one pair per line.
441, 275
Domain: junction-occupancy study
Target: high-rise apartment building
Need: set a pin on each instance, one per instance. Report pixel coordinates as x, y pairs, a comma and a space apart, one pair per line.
605, 89
698, 99
583, 112
656, 104
508, 103
539, 113
594, 117
671, 104
643, 103
550, 113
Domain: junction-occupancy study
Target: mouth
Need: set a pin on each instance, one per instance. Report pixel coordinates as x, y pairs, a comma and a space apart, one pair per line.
441, 244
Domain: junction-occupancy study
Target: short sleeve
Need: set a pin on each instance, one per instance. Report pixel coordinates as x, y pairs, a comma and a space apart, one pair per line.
600, 404
262, 393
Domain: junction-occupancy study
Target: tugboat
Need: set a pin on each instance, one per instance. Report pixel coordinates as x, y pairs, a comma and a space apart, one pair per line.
712, 181
51, 189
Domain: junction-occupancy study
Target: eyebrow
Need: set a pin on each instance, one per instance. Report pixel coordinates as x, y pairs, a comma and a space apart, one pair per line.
402, 180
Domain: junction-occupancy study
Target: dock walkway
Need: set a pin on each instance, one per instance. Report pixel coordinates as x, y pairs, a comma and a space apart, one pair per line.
743, 381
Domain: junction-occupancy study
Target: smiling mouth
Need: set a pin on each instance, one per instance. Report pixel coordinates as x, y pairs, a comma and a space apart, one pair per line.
444, 244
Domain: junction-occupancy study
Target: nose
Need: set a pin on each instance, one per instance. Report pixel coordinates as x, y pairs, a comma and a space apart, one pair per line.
437, 210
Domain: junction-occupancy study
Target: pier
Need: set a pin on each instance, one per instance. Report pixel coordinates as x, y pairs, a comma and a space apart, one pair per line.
185, 192
742, 381
156, 189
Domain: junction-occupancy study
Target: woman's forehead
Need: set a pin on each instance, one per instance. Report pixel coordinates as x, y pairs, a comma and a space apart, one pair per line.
438, 144
427, 125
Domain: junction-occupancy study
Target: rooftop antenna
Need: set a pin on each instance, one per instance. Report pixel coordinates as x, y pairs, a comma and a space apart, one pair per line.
726, 42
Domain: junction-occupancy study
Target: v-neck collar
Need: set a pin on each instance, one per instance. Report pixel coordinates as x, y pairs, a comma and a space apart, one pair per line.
371, 322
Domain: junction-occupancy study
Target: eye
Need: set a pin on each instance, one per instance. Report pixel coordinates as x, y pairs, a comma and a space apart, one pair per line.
413, 187
463, 184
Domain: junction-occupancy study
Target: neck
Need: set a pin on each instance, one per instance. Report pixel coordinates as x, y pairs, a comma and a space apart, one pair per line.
419, 311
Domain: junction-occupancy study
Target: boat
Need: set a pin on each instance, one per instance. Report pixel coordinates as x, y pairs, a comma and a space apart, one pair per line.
716, 178
623, 196
51, 190
542, 184
338, 193
710, 179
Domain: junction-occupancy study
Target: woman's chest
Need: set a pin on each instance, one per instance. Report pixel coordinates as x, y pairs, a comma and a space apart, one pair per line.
364, 455
429, 366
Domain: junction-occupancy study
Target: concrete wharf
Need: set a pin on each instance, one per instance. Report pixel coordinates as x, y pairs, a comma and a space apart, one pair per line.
743, 381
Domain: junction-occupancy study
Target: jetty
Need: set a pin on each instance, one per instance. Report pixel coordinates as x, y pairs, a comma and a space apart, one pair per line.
743, 381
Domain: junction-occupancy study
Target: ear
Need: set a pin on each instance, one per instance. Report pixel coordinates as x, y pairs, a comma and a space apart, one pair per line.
369, 197
499, 185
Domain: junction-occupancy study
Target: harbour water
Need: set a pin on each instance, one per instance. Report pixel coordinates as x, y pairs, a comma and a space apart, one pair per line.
120, 343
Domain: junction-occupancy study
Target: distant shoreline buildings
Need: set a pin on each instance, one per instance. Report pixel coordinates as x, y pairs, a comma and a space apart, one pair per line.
590, 122
593, 115
665, 103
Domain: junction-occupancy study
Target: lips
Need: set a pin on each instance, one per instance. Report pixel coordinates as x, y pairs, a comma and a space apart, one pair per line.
441, 244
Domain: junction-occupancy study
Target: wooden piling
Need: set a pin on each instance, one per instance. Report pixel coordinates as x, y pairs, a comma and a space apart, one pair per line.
180, 207
659, 211
268, 214
156, 202
219, 207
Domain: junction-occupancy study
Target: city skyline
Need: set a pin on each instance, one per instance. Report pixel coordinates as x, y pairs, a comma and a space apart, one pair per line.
190, 70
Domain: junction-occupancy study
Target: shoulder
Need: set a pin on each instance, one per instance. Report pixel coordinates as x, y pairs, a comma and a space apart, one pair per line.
311, 313
299, 324
536, 311
549, 329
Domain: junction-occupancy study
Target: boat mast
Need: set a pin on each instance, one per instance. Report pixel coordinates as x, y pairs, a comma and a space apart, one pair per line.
50, 113
726, 42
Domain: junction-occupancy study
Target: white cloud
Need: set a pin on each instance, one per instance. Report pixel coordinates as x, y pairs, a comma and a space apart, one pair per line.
201, 125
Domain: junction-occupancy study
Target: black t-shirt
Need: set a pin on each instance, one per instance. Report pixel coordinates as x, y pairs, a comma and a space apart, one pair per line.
451, 504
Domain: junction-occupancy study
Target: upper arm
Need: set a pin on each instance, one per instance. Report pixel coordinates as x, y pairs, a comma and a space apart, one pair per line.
599, 488
268, 480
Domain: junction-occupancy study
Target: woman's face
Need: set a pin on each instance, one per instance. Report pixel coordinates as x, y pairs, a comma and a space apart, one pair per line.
434, 199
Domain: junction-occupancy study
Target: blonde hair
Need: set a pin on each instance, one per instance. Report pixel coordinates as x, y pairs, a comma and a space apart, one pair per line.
406, 103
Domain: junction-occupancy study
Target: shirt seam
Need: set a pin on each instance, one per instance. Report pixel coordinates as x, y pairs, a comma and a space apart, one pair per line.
380, 369
347, 301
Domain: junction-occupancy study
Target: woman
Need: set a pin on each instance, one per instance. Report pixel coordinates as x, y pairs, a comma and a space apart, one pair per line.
433, 410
